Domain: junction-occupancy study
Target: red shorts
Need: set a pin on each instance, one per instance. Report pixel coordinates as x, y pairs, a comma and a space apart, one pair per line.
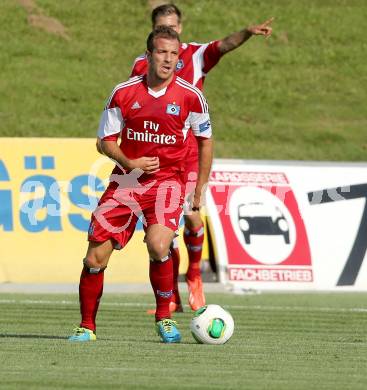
119, 209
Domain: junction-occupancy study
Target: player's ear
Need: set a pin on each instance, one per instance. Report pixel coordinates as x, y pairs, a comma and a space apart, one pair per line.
148, 54
179, 28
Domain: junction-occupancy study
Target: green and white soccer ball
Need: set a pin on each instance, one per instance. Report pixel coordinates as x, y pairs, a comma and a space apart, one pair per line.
212, 325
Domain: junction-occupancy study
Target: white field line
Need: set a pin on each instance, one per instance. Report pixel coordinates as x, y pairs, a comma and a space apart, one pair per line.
234, 307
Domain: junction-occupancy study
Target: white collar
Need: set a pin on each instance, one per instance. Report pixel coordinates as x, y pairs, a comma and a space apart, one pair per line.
157, 94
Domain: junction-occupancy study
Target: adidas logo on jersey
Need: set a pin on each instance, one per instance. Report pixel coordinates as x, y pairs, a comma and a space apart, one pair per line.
135, 106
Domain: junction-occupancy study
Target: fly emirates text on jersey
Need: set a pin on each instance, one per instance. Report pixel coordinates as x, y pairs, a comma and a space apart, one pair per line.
147, 136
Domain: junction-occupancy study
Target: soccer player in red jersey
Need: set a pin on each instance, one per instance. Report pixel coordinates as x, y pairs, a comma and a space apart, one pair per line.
154, 115
195, 61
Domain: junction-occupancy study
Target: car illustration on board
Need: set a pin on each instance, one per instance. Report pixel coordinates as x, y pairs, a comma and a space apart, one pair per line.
255, 218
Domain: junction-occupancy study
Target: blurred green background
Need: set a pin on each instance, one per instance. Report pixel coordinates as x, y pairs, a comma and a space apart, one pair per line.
302, 94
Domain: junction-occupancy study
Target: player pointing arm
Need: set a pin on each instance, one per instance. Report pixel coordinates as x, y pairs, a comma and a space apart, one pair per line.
238, 38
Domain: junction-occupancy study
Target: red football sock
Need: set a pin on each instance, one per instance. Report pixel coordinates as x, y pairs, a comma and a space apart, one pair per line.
161, 279
194, 239
175, 254
90, 292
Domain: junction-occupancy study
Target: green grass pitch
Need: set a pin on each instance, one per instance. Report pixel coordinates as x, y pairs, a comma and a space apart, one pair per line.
281, 341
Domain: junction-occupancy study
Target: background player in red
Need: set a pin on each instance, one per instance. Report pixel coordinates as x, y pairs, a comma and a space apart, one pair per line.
153, 114
195, 61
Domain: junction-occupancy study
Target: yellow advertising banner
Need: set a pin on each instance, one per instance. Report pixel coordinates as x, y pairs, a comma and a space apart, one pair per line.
48, 189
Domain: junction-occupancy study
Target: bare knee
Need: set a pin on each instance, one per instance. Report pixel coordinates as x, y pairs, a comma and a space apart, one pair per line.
98, 254
94, 262
158, 239
158, 250
93, 267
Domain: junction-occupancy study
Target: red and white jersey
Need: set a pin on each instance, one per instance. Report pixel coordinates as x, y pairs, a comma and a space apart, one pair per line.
155, 124
195, 61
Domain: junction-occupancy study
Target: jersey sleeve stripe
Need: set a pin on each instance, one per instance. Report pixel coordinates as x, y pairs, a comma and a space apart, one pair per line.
200, 44
128, 83
198, 63
192, 87
184, 84
204, 104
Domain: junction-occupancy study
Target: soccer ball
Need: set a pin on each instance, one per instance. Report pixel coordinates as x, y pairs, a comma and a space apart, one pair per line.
212, 325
